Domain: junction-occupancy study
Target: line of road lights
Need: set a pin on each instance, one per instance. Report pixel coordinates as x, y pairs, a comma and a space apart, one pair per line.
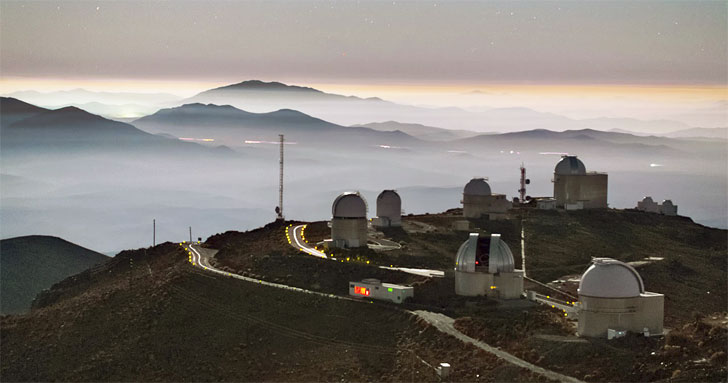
303, 237
288, 237
567, 302
189, 252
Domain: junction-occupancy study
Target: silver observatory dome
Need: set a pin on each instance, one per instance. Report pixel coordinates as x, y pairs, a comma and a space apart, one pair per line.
610, 278
389, 204
477, 186
481, 252
349, 205
570, 165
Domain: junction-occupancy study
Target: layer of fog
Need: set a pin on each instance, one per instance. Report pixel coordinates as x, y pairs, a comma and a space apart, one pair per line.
107, 202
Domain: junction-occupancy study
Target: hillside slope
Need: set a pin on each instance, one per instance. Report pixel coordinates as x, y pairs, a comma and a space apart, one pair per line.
73, 130
172, 321
148, 315
232, 126
31, 264
424, 132
676, 257
12, 110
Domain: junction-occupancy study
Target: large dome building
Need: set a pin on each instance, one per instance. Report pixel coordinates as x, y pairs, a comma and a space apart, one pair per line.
389, 209
349, 220
612, 296
575, 188
484, 265
478, 201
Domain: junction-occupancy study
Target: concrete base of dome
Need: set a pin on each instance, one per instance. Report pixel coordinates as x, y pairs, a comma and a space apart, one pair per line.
635, 314
589, 189
349, 232
476, 206
504, 285
386, 222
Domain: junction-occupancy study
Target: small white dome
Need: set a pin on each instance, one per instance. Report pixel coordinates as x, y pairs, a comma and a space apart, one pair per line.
610, 278
667, 202
570, 165
647, 200
349, 205
389, 204
486, 251
477, 186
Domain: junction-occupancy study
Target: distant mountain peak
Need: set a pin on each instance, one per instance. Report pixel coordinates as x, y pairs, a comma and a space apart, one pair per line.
199, 105
289, 112
69, 114
259, 85
71, 110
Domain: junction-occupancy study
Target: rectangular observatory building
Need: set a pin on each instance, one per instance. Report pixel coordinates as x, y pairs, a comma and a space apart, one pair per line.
375, 289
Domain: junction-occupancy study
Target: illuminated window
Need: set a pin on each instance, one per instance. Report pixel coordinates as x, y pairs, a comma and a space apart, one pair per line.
361, 290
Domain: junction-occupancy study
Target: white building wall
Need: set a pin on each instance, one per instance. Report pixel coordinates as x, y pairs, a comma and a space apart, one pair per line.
668, 209
350, 231
476, 206
634, 314
502, 285
382, 291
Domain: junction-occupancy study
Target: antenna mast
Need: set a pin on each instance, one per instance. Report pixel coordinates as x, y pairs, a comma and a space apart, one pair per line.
522, 190
279, 209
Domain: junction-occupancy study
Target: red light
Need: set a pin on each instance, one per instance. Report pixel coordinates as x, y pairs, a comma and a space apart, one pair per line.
361, 290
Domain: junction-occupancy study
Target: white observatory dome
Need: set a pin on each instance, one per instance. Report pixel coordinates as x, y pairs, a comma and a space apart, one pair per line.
667, 202
389, 204
349, 205
477, 186
610, 278
648, 200
486, 251
570, 165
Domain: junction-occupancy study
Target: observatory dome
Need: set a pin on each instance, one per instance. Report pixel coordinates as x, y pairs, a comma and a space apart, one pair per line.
349, 205
648, 200
610, 278
389, 204
570, 165
667, 202
477, 186
484, 251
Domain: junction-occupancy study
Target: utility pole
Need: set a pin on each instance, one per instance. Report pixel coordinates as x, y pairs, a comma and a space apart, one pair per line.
154, 232
279, 209
190, 234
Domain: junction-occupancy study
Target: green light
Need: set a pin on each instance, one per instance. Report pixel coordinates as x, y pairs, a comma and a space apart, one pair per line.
389, 289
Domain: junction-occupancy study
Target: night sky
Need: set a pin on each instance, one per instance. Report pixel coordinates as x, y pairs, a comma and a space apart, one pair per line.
655, 43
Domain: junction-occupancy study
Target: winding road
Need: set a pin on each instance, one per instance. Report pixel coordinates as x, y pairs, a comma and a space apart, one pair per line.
200, 256
297, 238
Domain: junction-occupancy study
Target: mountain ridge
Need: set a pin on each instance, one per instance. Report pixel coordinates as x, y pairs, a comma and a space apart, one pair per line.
258, 96
30, 264
231, 126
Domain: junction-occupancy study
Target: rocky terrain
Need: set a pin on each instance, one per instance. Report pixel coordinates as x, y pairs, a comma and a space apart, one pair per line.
148, 314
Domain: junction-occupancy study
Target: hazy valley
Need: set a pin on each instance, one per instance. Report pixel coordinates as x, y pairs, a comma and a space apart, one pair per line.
100, 183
